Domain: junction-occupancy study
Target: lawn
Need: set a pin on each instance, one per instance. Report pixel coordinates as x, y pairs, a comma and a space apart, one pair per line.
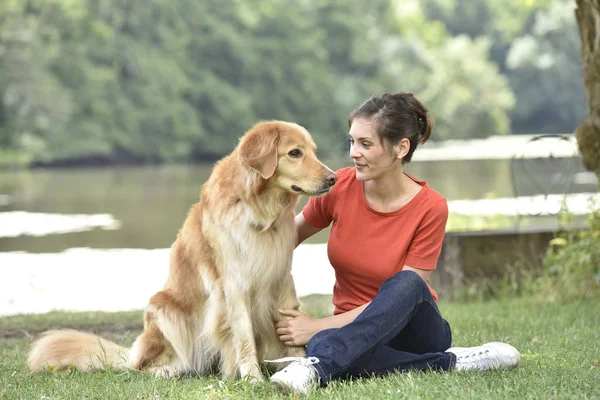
559, 344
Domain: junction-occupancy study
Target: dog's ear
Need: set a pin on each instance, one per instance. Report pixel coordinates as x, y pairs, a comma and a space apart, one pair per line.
258, 149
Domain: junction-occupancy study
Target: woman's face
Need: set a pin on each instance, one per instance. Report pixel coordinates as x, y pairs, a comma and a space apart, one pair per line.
371, 158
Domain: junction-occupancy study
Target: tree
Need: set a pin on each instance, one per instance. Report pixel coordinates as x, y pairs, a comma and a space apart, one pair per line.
545, 73
452, 75
588, 133
388, 47
534, 43
32, 102
123, 81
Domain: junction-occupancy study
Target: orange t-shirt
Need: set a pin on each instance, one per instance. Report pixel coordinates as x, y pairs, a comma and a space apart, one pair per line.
366, 247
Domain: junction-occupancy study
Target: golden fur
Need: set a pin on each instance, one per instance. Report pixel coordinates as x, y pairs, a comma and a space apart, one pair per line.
229, 274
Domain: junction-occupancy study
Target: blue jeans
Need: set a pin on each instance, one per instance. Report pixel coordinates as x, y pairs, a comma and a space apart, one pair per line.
402, 329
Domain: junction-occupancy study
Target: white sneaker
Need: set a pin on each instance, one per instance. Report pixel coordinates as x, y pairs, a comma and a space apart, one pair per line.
457, 350
297, 377
493, 355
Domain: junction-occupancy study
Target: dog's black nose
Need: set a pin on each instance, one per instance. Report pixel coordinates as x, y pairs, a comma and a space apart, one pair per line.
331, 178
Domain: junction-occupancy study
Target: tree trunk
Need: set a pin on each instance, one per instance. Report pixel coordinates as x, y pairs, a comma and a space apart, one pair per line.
588, 133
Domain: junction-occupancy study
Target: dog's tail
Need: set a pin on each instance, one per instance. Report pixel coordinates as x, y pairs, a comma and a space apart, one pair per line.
59, 350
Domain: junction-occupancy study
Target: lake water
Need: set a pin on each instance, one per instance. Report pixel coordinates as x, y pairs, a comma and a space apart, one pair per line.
61, 226
143, 207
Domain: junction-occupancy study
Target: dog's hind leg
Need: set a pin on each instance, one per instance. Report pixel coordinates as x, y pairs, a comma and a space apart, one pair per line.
179, 332
151, 351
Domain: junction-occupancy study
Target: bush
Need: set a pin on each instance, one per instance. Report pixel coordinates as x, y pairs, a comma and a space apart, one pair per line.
570, 268
572, 263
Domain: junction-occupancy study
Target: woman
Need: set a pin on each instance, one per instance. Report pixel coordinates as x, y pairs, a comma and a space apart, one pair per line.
386, 237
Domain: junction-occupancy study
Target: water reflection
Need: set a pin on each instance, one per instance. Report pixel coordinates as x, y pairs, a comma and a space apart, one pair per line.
151, 202
22, 223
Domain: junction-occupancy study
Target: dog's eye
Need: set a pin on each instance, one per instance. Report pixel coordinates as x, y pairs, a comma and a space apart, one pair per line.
295, 153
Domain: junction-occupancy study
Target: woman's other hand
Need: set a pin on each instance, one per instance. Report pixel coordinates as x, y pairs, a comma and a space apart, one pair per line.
297, 330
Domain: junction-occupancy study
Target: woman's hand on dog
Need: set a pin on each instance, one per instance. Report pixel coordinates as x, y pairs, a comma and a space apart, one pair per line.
297, 330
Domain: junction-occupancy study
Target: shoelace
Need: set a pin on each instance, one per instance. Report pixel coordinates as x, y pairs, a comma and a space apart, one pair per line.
475, 359
478, 354
307, 362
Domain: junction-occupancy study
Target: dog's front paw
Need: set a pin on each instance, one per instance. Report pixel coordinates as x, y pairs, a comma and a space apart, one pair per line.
254, 379
251, 374
164, 371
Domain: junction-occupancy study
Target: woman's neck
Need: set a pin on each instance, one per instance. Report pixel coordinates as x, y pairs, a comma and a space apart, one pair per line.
390, 191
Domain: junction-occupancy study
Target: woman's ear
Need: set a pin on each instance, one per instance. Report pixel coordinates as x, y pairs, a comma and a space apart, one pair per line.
258, 149
402, 148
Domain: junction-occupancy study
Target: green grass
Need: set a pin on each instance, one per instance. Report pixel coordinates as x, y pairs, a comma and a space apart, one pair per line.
559, 344
40, 322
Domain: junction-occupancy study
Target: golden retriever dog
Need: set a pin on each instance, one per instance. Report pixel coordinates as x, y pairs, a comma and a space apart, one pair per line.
229, 273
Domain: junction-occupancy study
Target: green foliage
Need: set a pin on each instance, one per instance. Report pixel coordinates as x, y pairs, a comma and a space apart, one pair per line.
573, 262
154, 81
536, 45
139, 81
11, 158
462, 89
451, 75
33, 100
545, 72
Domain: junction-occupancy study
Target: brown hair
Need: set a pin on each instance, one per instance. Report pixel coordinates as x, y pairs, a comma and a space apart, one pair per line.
397, 116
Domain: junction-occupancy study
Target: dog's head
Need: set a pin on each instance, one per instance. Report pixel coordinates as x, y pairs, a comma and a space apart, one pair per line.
285, 154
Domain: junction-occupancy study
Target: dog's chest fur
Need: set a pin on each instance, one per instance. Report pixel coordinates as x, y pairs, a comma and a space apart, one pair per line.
257, 254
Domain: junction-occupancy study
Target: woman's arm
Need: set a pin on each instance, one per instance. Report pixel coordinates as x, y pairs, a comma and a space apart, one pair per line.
304, 229
339, 320
423, 273
298, 330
